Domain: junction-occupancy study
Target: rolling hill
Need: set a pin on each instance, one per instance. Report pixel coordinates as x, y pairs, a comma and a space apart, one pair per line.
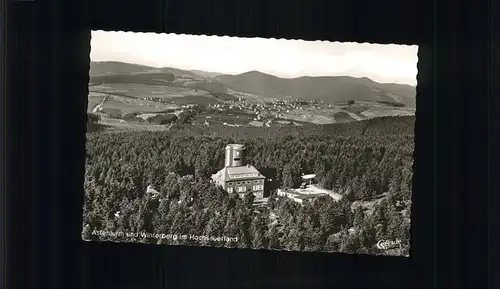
327, 88
139, 78
120, 68
113, 67
206, 73
109, 72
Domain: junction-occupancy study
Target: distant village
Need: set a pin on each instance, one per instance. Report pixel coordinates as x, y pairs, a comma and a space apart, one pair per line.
256, 106
265, 112
267, 108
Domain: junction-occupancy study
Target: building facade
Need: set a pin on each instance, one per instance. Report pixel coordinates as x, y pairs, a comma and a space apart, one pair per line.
238, 177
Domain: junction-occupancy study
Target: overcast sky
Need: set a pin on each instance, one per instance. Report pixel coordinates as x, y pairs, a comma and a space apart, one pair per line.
280, 57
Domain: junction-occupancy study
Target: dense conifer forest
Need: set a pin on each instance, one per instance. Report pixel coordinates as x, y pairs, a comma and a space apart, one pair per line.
368, 162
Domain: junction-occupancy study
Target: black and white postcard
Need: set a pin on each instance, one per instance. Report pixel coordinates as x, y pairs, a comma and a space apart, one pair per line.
254, 143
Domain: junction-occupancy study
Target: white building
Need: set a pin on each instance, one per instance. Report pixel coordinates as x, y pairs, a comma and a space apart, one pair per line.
299, 197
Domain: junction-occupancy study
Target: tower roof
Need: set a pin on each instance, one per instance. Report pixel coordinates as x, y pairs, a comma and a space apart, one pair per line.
235, 146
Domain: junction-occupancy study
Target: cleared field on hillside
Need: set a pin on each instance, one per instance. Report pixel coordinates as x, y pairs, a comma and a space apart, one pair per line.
344, 113
178, 95
317, 116
342, 116
250, 96
256, 123
127, 105
356, 108
380, 111
196, 99
121, 125
218, 118
143, 90
355, 116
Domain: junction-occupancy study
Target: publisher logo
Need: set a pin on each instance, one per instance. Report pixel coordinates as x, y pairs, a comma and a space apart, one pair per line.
388, 244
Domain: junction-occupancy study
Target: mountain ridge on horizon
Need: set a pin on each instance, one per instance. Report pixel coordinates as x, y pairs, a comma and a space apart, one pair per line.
196, 71
328, 88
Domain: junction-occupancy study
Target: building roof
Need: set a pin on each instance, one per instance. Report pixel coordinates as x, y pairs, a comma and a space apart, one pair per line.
242, 170
307, 196
298, 195
238, 173
221, 175
309, 176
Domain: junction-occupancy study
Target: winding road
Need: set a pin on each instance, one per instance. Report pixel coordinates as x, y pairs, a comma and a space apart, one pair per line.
99, 105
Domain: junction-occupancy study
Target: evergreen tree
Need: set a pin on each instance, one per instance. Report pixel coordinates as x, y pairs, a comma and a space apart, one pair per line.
272, 201
349, 243
87, 233
368, 235
258, 232
231, 231
333, 243
249, 199
274, 239
295, 240
359, 217
291, 175
350, 158
396, 227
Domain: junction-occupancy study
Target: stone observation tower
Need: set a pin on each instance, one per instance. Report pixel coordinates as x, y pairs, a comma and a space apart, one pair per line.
238, 177
235, 155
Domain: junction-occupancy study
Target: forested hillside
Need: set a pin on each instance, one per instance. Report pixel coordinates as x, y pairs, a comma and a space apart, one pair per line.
361, 160
378, 127
327, 88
